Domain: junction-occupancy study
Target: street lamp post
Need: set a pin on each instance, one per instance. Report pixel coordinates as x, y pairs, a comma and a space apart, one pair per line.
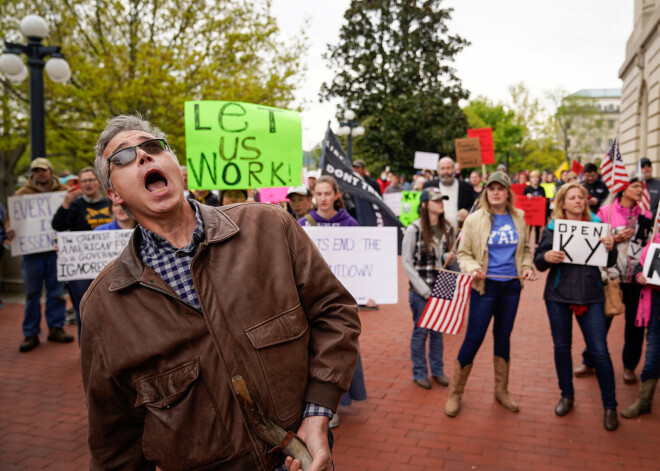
350, 128
35, 29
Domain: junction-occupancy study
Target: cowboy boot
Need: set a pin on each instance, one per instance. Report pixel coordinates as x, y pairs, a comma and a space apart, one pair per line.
644, 399
461, 374
501, 384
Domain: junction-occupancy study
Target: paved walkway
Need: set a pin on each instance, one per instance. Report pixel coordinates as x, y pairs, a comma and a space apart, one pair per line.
400, 426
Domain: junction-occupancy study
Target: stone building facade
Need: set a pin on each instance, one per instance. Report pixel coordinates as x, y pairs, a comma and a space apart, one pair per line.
640, 97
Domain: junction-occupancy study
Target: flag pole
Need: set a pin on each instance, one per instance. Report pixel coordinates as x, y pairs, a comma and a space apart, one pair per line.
453, 246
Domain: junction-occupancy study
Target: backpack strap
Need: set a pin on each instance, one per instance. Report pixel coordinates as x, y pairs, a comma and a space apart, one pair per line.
311, 220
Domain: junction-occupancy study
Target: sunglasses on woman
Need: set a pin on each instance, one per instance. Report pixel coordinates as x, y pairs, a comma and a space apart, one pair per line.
128, 154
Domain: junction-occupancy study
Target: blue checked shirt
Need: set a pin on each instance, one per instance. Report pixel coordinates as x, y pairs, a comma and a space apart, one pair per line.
173, 266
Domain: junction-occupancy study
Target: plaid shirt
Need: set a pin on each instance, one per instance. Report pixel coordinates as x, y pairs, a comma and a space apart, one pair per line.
173, 266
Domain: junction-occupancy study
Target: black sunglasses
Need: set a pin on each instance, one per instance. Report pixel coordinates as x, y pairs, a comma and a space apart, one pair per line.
128, 154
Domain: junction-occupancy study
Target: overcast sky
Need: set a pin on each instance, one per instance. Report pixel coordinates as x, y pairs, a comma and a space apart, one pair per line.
548, 45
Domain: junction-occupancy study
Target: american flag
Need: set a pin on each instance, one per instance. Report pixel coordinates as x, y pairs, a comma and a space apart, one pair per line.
612, 169
445, 309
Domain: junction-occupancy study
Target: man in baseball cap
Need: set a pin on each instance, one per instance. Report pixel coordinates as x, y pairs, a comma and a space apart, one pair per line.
40, 269
300, 199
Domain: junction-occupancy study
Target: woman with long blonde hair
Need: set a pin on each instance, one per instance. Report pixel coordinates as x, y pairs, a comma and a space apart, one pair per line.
577, 289
494, 249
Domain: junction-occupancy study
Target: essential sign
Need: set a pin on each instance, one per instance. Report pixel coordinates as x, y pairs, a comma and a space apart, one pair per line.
580, 241
231, 145
82, 255
31, 217
364, 259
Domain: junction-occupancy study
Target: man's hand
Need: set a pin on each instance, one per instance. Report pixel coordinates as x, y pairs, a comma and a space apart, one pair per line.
314, 431
593, 201
71, 194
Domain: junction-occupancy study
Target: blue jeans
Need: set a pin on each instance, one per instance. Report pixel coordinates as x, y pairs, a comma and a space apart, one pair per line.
418, 342
357, 391
39, 269
651, 369
594, 330
77, 288
499, 302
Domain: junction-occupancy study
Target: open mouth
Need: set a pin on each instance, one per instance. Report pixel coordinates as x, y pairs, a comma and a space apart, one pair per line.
155, 181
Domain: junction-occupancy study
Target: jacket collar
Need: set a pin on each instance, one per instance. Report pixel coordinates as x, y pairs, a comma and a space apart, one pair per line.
130, 268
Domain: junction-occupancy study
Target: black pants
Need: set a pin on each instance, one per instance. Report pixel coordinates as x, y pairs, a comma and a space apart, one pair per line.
633, 337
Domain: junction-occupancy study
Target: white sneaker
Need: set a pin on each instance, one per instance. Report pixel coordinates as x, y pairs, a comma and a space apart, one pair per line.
334, 422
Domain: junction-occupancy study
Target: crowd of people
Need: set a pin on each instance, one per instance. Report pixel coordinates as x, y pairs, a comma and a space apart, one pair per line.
468, 223
495, 249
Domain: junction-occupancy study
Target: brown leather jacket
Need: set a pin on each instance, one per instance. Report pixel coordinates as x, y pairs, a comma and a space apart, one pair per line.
157, 372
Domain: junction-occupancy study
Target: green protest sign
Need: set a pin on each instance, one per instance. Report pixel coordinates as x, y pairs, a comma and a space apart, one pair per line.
409, 205
241, 145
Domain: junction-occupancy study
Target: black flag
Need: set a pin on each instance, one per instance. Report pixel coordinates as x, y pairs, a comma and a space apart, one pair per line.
370, 208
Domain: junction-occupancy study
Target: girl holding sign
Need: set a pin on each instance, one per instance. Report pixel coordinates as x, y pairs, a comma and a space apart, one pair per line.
425, 248
494, 249
630, 227
577, 289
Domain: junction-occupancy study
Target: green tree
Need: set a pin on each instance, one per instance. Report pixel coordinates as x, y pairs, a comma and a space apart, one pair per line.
150, 56
392, 68
578, 124
507, 134
524, 134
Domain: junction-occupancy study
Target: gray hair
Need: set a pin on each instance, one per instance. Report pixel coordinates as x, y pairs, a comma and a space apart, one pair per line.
113, 127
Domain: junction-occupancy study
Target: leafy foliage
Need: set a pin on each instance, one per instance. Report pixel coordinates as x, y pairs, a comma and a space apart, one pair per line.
392, 69
524, 135
149, 56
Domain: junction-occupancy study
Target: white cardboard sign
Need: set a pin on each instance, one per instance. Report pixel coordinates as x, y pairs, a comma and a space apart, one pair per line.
82, 255
393, 201
364, 259
652, 265
426, 160
31, 217
580, 241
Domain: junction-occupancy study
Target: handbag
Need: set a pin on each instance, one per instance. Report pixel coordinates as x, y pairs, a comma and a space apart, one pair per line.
613, 298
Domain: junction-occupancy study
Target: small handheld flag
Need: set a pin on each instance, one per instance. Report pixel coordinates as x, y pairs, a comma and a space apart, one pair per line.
445, 309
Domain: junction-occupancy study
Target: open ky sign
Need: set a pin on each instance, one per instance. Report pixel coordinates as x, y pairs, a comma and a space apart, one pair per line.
580, 241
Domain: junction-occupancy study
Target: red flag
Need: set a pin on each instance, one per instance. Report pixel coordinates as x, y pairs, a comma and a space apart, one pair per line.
613, 171
445, 309
577, 169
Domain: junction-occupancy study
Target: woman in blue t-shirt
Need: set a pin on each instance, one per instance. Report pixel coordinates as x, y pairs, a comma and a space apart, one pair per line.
494, 249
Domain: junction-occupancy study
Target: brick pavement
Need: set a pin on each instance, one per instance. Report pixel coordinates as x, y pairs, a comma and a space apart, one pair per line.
400, 426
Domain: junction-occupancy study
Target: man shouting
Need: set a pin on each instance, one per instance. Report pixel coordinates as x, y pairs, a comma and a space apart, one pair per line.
201, 295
